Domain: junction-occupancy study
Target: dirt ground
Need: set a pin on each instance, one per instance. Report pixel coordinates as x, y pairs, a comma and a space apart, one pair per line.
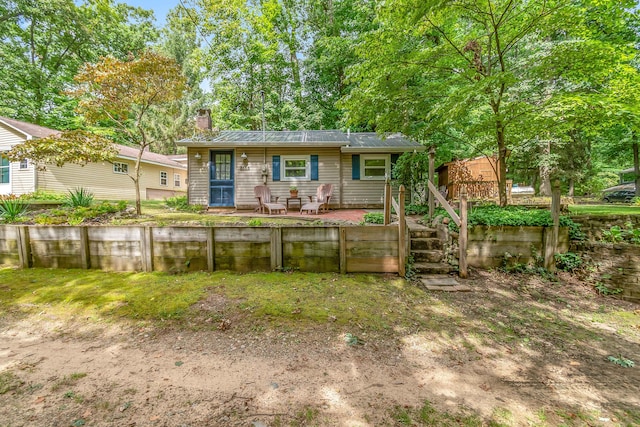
482, 356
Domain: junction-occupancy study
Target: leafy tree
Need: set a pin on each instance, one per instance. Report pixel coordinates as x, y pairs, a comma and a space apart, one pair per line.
74, 146
45, 42
130, 95
486, 73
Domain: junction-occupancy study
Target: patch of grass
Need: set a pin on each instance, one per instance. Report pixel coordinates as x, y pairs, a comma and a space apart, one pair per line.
427, 415
8, 382
604, 209
147, 296
371, 301
68, 381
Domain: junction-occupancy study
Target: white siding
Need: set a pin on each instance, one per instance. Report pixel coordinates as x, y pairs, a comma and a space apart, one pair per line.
359, 193
100, 179
198, 176
21, 181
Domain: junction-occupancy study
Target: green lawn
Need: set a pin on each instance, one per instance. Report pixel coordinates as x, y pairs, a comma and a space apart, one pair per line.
375, 301
604, 209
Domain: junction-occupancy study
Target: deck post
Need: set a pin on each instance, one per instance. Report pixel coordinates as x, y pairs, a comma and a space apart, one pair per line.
402, 235
387, 201
462, 237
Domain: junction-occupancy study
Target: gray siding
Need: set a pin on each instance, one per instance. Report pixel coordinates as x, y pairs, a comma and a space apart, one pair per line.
359, 193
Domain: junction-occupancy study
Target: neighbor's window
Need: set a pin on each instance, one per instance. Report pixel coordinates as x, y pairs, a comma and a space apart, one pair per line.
163, 178
374, 167
120, 167
4, 169
176, 180
296, 168
24, 164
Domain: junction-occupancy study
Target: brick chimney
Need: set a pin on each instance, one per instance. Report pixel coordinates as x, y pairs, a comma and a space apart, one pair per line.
203, 120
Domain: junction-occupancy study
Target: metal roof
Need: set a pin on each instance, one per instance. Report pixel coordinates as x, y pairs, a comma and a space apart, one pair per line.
352, 142
371, 141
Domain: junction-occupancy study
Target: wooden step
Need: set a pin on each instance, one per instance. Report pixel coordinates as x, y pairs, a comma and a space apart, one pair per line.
443, 282
423, 268
422, 243
422, 233
427, 255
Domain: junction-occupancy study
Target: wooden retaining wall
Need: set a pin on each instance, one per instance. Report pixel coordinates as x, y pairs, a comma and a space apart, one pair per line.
488, 246
180, 249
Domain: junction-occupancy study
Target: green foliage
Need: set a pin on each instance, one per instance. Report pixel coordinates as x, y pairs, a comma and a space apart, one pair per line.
413, 209
605, 290
12, 208
177, 202
621, 361
45, 43
374, 218
254, 222
77, 215
617, 234
569, 261
43, 195
79, 197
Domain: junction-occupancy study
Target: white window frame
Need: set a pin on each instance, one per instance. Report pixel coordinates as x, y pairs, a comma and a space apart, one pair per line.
283, 168
177, 180
8, 168
165, 179
24, 164
118, 168
363, 169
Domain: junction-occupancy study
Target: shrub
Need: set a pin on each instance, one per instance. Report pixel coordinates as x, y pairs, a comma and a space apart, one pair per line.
181, 203
79, 197
568, 262
254, 222
617, 234
374, 218
43, 195
12, 208
412, 209
516, 216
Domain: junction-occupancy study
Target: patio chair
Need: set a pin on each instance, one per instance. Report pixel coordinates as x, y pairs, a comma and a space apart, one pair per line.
263, 194
323, 197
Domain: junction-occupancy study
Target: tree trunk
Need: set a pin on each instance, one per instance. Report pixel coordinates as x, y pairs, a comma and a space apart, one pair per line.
545, 173
571, 187
636, 163
502, 164
136, 180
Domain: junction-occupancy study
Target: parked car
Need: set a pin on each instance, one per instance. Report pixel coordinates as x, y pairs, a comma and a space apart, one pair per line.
625, 196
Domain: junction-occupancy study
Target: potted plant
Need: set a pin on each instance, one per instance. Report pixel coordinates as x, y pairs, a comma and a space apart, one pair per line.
293, 191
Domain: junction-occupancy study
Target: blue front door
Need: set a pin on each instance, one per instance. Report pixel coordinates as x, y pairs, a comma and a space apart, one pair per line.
221, 178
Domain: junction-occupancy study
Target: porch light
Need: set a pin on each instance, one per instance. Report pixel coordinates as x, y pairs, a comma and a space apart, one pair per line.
198, 156
245, 160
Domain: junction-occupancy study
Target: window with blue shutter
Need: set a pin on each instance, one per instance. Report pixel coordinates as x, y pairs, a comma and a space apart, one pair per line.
314, 167
355, 167
275, 168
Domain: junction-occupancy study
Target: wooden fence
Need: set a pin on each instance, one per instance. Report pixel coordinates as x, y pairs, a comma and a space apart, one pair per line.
345, 249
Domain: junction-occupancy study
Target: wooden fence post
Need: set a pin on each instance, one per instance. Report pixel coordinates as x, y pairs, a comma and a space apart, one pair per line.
146, 248
462, 237
402, 234
551, 244
24, 246
276, 248
432, 159
387, 201
343, 250
85, 256
211, 249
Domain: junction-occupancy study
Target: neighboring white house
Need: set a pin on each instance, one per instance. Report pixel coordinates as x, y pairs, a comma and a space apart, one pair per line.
161, 176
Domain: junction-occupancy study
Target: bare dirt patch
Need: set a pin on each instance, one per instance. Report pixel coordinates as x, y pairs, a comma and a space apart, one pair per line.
518, 350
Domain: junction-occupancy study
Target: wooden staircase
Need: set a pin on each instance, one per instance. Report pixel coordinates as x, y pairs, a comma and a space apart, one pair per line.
429, 260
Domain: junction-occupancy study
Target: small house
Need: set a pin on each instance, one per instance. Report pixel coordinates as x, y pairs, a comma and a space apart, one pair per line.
161, 176
225, 167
